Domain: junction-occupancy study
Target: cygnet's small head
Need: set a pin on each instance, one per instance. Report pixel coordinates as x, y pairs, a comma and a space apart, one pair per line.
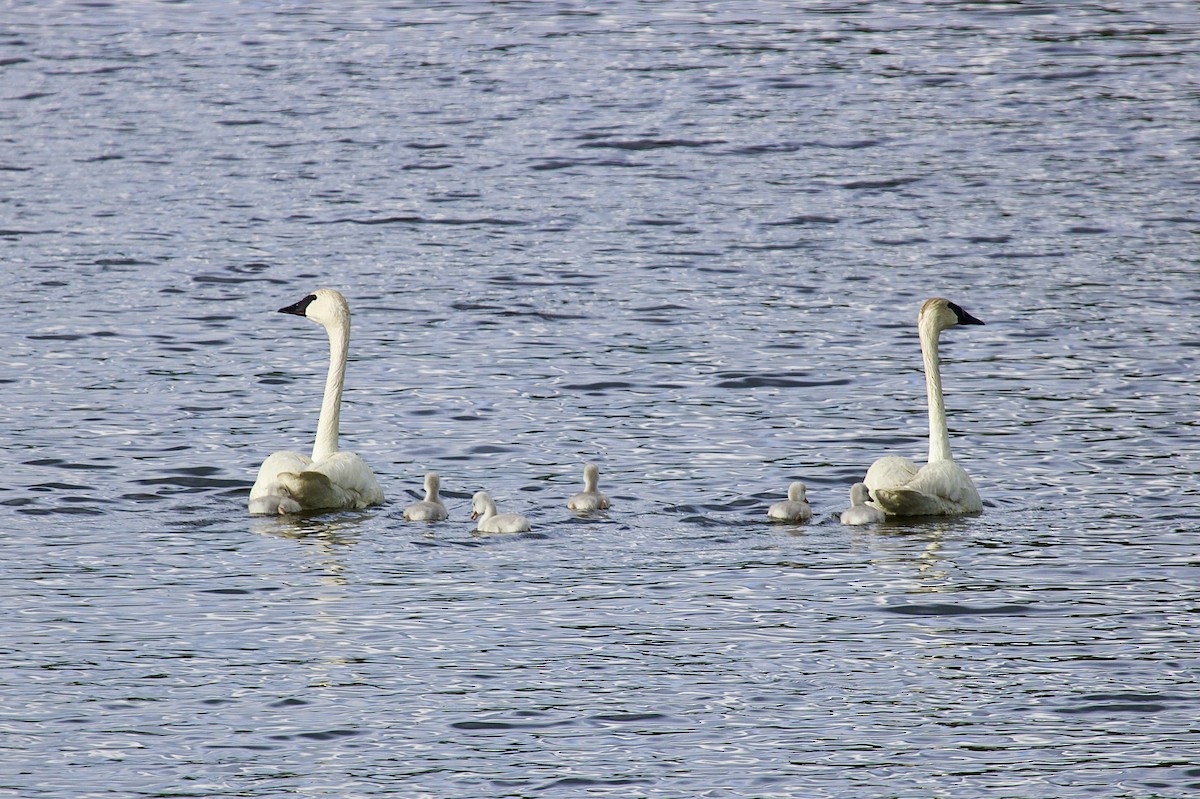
939, 313
859, 494
796, 492
480, 503
432, 483
591, 476
323, 306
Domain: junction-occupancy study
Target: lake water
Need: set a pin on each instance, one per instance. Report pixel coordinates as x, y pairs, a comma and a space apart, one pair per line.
686, 241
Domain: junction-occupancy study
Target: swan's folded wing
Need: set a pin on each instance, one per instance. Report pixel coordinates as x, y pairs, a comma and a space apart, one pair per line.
948, 480
350, 474
267, 482
940, 489
890, 472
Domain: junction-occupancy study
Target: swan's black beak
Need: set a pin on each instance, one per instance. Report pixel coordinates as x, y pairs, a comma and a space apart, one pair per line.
300, 307
964, 318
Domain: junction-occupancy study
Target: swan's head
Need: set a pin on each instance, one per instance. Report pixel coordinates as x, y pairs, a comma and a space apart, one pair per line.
591, 475
796, 493
938, 313
481, 503
432, 483
323, 306
859, 494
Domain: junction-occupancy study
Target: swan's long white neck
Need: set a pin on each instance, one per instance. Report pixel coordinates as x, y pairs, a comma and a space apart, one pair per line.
331, 406
939, 436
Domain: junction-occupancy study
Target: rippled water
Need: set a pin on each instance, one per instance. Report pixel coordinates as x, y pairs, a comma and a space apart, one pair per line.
686, 241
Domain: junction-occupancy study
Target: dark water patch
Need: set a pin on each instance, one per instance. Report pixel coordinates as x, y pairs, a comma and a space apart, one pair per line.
1114, 707
786, 83
951, 609
589, 782
64, 510
546, 316
657, 223
900, 242
805, 220
1051, 77
652, 144
737, 380
768, 149
58, 463
485, 449
487, 726
1017, 256
323, 735
247, 747
413, 219
628, 718
554, 164
192, 482
797, 245
881, 185
600, 386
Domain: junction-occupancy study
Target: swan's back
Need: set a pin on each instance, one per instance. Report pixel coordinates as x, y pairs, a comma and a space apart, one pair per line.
939, 489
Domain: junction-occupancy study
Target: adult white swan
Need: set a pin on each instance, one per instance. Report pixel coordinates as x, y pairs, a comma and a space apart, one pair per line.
859, 511
430, 509
484, 509
941, 487
589, 498
794, 509
291, 482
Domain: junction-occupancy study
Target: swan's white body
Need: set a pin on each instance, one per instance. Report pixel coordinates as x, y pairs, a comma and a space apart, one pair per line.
941, 487
589, 498
859, 511
329, 479
794, 509
431, 508
484, 509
